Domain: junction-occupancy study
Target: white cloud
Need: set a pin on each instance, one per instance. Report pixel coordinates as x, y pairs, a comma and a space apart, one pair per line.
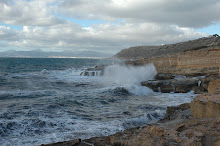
139, 22
103, 37
7, 34
22, 12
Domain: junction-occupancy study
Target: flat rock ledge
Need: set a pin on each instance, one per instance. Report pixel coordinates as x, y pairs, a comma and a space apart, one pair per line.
167, 83
172, 85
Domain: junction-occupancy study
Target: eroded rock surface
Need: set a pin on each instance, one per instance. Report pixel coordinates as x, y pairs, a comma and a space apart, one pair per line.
196, 57
147, 52
195, 63
214, 86
206, 106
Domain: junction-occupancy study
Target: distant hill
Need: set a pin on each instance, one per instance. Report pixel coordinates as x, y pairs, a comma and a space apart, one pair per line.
42, 54
153, 51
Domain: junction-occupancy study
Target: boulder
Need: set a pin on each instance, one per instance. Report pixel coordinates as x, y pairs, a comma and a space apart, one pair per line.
172, 85
96, 71
180, 112
206, 106
214, 86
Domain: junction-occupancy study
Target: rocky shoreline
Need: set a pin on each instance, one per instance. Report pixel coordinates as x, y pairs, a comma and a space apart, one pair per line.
182, 125
194, 124
193, 66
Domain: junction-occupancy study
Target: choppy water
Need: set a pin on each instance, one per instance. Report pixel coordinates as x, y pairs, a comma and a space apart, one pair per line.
46, 100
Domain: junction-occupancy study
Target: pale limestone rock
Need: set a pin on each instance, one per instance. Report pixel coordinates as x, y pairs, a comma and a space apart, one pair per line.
214, 86
206, 106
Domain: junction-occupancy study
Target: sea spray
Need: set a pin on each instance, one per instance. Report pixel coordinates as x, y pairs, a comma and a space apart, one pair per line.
130, 77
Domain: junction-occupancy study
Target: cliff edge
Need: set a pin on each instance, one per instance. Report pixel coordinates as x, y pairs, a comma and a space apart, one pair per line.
196, 57
140, 52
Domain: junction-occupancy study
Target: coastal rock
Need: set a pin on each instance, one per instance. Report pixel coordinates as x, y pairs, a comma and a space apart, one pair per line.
172, 85
96, 71
147, 52
173, 131
214, 86
206, 106
164, 76
193, 63
180, 112
195, 58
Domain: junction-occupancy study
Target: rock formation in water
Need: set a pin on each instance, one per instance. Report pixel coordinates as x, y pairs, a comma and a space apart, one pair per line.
96, 71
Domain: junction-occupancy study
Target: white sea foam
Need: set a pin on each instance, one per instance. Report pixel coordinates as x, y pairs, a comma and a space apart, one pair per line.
63, 129
130, 77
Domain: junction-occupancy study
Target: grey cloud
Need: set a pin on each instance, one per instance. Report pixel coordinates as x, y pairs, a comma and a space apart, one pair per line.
143, 22
185, 13
33, 13
104, 37
7, 34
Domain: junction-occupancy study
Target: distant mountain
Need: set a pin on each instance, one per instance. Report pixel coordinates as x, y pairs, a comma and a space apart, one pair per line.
41, 54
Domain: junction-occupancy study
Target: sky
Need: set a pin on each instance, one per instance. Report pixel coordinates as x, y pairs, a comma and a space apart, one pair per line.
103, 25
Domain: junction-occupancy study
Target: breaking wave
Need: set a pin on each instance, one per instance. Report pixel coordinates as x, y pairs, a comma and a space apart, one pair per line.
130, 77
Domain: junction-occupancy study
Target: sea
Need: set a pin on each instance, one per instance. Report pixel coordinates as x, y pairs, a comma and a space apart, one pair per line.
48, 100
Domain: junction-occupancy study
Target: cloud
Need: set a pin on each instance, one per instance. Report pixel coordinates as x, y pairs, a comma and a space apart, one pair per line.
7, 34
48, 24
184, 13
109, 38
34, 13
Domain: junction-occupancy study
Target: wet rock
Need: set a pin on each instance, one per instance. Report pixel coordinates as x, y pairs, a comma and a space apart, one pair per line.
164, 76
181, 112
206, 106
205, 81
96, 71
91, 73
199, 89
172, 85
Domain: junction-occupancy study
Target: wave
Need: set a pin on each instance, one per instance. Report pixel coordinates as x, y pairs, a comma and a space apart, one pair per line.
43, 130
26, 94
130, 77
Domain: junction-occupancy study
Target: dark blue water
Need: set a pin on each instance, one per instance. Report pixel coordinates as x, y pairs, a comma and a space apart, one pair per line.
18, 65
46, 100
